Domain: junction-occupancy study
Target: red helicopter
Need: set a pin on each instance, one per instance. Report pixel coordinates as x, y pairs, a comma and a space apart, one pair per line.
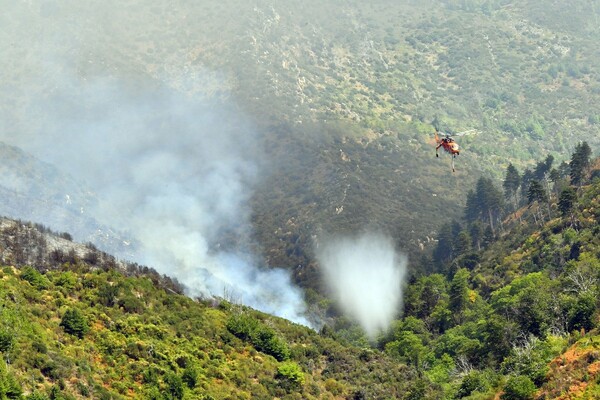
448, 143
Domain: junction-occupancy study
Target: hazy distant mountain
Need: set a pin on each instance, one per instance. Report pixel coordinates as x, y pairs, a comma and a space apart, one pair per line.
36, 191
344, 95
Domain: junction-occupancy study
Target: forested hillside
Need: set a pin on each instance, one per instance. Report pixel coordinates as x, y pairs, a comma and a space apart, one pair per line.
512, 312
81, 324
344, 95
512, 302
230, 139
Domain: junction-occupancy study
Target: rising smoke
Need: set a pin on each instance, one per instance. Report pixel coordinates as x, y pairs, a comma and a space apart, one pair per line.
365, 275
174, 169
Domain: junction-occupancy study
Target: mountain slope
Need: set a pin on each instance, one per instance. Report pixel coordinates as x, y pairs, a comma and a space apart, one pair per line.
367, 79
511, 315
90, 327
517, 321
33, 190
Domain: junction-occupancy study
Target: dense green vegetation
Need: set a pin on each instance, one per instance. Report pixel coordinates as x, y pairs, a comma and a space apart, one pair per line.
152, 344
503, 294
512, 289
75, 329
511, 312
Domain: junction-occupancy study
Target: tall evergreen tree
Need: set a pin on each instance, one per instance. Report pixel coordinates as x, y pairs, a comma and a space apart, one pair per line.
463, 243
472, 210
564, 169
543, 167
444, 251
580, 160
537, 193
456, 230
566, 200
476, 230
554, 175
459, 291
489, 200
525, 180
511, 184
488, 236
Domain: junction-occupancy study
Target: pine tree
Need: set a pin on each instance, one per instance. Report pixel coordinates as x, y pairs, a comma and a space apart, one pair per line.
459, 291
472, 211
476, 230
525, 180
580, 160
489, 200
554, 175
463, 243
511, 184
555, 178
488, 236
566, 200
537, 193
543, 167
444, 251
74, 323
564, 169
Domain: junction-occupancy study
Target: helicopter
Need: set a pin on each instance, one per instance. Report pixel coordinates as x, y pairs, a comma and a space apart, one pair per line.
449, 145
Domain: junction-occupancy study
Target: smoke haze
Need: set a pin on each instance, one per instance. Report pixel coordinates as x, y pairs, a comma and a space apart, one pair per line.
176, 172
365, 274
174, 169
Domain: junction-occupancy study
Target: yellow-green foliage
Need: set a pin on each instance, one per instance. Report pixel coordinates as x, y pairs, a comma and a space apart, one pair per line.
291, 374
101, 334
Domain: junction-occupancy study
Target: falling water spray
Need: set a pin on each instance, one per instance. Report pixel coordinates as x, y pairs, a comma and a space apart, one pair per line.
365, 274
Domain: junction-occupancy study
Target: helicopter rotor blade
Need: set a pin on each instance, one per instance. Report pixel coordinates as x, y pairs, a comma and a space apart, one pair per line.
467, 132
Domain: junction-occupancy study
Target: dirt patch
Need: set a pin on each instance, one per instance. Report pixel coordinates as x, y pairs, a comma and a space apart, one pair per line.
594, 368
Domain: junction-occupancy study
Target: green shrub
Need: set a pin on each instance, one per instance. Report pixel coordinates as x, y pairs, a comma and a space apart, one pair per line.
518, 388
190, 376
67, 279
581, 314
74, 323
242, 325
131, 304
174, 386
134, 350
36, 396
6, 341
83, 389
39, 346
417, 390
152, 393
35, 278
265, 340
474, 381
9, 387
150, 376
291, 374
107, 294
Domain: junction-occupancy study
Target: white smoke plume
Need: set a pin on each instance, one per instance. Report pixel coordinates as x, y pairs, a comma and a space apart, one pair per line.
365, 274
175, 172
175, 168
